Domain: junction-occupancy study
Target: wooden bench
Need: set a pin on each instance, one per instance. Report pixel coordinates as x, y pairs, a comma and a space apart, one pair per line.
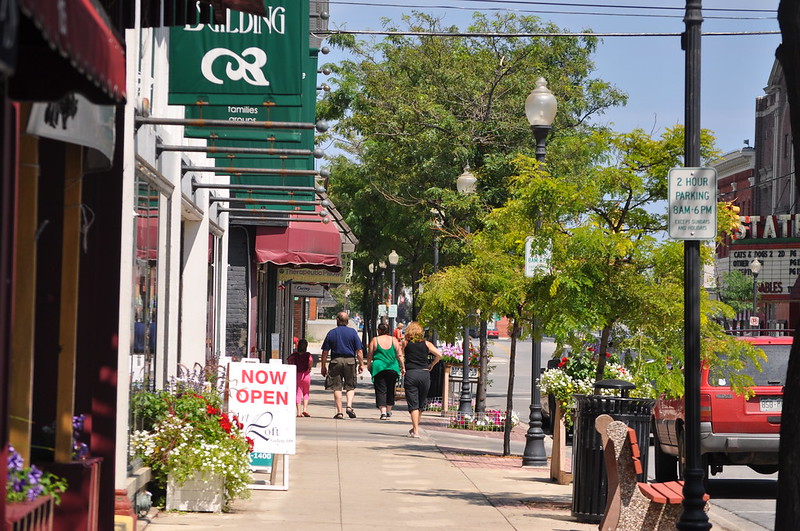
633, 505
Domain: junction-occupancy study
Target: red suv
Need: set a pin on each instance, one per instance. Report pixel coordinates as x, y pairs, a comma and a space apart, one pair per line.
733, 430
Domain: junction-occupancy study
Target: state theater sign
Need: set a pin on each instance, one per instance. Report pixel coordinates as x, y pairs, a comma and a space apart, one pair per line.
775, 242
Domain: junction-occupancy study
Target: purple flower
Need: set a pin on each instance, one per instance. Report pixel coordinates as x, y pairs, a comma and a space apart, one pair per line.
77, 423
34, 475
15, 461
80, 450
18, 484
34, 492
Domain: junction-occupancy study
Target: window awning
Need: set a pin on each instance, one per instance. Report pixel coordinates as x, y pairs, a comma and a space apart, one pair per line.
303, 244
90, 58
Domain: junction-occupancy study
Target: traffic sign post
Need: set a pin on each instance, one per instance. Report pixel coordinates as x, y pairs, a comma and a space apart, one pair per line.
692, 203
535, 262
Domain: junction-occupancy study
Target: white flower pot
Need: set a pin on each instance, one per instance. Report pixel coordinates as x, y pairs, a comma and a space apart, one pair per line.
199, 493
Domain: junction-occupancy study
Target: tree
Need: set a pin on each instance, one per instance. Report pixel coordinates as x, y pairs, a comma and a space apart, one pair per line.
411, 113
592, 207
736, 290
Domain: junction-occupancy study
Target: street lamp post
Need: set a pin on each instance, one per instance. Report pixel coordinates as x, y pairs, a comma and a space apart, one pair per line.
393, 259
540, 109
755, 268
382, 265
465, 184
693, 515
436, 225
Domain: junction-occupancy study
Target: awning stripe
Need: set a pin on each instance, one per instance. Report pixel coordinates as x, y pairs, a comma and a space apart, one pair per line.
80, 33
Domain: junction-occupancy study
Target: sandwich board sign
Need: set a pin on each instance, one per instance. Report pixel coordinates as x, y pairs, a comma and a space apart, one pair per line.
262, 395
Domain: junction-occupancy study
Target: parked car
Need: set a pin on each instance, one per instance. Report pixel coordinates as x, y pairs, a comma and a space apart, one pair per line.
491, 333
733, 430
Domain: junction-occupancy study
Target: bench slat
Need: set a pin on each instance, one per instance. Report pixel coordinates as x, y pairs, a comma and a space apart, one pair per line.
650, 493
669, 491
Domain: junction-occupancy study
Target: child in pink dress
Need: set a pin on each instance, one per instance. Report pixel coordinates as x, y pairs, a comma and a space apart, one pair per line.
301, 359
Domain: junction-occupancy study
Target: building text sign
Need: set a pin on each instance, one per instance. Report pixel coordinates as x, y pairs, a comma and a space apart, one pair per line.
262, 395
692, 203
246, 60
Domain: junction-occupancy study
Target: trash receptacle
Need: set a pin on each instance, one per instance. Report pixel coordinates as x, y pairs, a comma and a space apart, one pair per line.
589, 481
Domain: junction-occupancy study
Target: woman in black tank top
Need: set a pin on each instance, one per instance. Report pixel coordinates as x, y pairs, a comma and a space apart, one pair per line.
417, 353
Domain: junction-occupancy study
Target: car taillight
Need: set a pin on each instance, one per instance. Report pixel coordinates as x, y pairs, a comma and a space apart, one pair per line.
705, 408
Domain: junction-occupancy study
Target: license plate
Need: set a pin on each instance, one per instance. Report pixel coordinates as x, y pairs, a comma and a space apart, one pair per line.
771, 404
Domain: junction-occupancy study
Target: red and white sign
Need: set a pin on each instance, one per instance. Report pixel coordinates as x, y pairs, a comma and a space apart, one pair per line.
262, 395
754, 320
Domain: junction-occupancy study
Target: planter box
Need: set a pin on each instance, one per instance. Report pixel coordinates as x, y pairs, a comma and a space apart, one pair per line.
198, 494
80, 504
36, 515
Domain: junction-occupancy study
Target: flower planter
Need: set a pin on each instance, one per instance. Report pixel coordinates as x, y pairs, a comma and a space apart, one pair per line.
36, 515
199, 493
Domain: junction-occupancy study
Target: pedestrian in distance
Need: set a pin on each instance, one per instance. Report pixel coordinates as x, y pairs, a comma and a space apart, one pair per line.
303, 361
417, 354
398, 332
347, 357
385, 364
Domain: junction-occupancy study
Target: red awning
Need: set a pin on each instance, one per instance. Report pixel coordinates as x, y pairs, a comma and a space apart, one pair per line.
80, 34
307, 244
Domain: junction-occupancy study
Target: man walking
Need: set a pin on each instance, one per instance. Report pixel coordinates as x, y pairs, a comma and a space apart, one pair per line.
344, 346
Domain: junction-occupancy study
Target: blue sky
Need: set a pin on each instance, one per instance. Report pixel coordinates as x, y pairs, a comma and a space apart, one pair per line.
735, 69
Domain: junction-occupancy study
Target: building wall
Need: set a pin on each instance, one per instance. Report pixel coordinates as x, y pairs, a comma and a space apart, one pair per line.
774, 187
238, 294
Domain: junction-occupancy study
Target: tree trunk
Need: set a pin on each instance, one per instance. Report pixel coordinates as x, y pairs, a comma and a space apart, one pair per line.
510, 394
788, 503
483, 373
601, 353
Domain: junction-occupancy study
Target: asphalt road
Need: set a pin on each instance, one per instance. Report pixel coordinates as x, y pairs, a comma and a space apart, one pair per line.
748, 495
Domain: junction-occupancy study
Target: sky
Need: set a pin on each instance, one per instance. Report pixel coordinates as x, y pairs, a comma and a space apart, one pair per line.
734, 69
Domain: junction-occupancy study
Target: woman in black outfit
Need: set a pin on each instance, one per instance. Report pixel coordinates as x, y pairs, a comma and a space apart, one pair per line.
418, 372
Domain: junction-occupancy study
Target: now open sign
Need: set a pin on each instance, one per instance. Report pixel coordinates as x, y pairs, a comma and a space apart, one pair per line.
262, 395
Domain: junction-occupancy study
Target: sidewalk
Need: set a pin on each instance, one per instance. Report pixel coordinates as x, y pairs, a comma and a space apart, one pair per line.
363, 473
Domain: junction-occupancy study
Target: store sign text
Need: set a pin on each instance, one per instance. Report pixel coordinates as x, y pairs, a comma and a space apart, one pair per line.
777, 226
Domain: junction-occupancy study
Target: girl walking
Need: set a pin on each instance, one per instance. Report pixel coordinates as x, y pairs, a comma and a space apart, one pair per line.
301, 359
385, 364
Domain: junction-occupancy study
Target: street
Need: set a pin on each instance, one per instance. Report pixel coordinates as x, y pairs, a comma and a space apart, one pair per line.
745, 493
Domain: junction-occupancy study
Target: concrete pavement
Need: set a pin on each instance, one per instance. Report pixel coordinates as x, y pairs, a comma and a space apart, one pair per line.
363, 473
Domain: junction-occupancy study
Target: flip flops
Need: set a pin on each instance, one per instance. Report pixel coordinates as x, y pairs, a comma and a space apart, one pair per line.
350, 413
338, 416
412, 434
306, 414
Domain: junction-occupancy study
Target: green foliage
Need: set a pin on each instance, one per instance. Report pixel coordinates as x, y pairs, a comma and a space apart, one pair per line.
412, 112
736, 290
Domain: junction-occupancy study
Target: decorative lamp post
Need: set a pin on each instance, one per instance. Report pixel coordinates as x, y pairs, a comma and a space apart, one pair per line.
465, 184
393, 259
382, 265
540, 108
372, 301
437, 225
755, 268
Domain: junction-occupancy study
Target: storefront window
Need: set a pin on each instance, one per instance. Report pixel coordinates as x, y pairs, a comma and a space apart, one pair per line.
145, 284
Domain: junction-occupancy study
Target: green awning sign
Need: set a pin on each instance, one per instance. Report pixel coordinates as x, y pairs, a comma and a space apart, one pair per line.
254, 59
247, 113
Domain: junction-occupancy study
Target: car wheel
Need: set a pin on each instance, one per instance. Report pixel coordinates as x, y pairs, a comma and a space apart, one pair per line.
764, 469
666, 465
